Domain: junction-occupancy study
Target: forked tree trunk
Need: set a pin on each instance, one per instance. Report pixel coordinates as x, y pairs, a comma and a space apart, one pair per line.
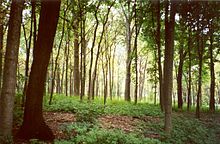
34, 126
92, 88
10, 69
92, 51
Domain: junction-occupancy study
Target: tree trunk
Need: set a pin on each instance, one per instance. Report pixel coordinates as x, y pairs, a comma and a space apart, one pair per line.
1, 49
92, 50
56, 62
28, 47
189, 101
67, 62
212, 72
10, 69
83, 58
159, 63
199, 93
179, 78
168, 65
76, 74
142, 79
34, 125
98, 52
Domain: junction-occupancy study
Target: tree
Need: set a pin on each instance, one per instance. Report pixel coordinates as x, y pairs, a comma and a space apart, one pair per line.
128, 18
10, 69
168, 63
33, 123
76, 74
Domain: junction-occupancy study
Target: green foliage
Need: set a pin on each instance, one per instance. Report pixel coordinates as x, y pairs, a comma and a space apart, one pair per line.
188, 130
95, 109
185, 130
92, 134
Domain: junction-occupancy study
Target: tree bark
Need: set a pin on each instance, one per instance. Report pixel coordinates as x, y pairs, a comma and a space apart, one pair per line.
76, 74
91, 53
34, 126
10, 69
168, 65
179, 78
159, 63
1, 49
189, 101
212, 73
128, 36
199, 92
83, 59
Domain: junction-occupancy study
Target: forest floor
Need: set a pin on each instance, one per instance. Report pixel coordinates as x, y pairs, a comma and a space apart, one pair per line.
123, 123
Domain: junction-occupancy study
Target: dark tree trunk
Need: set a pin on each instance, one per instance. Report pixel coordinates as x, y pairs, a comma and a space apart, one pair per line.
1, 49
212, 72
168, 65
189, 73
83, 59
10, 69
199, 92
76, 74
67, 64
34, 125
179, 78
159, 63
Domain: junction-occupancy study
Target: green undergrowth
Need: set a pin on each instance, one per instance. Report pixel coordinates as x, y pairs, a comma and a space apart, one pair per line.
185, 130
148, 129
72, 104
92, 134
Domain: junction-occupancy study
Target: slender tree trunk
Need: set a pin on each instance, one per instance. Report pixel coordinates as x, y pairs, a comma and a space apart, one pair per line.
83, 58
62, 78
1, 46
66, 64
10, 69
118, 82
28, 48
179, 78
56, 62
92, 50
34, 125
128, 36
128, 64
189, 101
76, 74
142, 80
159, 63
58, 80
168, 65
199, 93
212, 72
98, 52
